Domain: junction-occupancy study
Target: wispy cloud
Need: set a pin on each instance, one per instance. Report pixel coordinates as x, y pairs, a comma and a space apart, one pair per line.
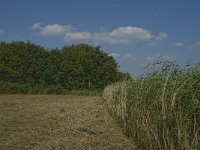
178, 44
78, 36
195, 45
122, 35
129, 56
2, 31
161, 36
182, 45
156, 56
115, 55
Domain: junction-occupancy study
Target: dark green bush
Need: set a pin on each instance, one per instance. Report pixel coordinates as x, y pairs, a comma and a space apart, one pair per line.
14, 88
57, 89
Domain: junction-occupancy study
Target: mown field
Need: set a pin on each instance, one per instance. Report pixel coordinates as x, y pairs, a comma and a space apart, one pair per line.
57, 122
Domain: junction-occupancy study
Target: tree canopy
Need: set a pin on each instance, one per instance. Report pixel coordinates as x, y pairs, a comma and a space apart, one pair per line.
72, 67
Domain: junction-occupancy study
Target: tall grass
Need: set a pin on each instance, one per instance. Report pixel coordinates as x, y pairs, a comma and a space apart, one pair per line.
160, 110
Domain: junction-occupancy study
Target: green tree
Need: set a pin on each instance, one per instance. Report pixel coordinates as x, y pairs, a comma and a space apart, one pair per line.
21, 62
72, 67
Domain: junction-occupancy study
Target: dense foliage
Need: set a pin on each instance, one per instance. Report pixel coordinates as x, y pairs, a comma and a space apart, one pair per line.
29, 68
160, 110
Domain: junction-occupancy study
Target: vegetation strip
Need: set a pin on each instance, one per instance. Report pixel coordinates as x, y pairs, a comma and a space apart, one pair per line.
160, 110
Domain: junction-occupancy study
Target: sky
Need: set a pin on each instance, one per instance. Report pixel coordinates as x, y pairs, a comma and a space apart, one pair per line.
134, 32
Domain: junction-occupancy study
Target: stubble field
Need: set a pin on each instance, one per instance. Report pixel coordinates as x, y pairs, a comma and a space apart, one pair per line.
58, 122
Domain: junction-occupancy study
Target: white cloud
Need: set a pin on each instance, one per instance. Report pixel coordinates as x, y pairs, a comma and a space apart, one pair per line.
195, 45
122, 35
128, 35
2, 31
115, 55
51, 30
178, 44
131, 33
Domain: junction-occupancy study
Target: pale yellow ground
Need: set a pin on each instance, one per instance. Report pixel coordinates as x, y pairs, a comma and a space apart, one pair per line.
43, 122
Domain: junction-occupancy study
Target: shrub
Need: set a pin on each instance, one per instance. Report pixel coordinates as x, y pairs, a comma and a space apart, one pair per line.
14, 88
54, 89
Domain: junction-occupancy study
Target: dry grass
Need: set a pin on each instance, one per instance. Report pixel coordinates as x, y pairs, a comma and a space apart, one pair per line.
57, 122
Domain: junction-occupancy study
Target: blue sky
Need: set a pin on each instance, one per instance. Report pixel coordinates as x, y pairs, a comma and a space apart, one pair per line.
132, 31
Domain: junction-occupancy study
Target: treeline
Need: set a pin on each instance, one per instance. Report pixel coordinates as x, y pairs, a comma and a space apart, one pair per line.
29, 68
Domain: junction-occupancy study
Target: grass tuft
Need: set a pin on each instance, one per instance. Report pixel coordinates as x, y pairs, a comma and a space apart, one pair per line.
159, 110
